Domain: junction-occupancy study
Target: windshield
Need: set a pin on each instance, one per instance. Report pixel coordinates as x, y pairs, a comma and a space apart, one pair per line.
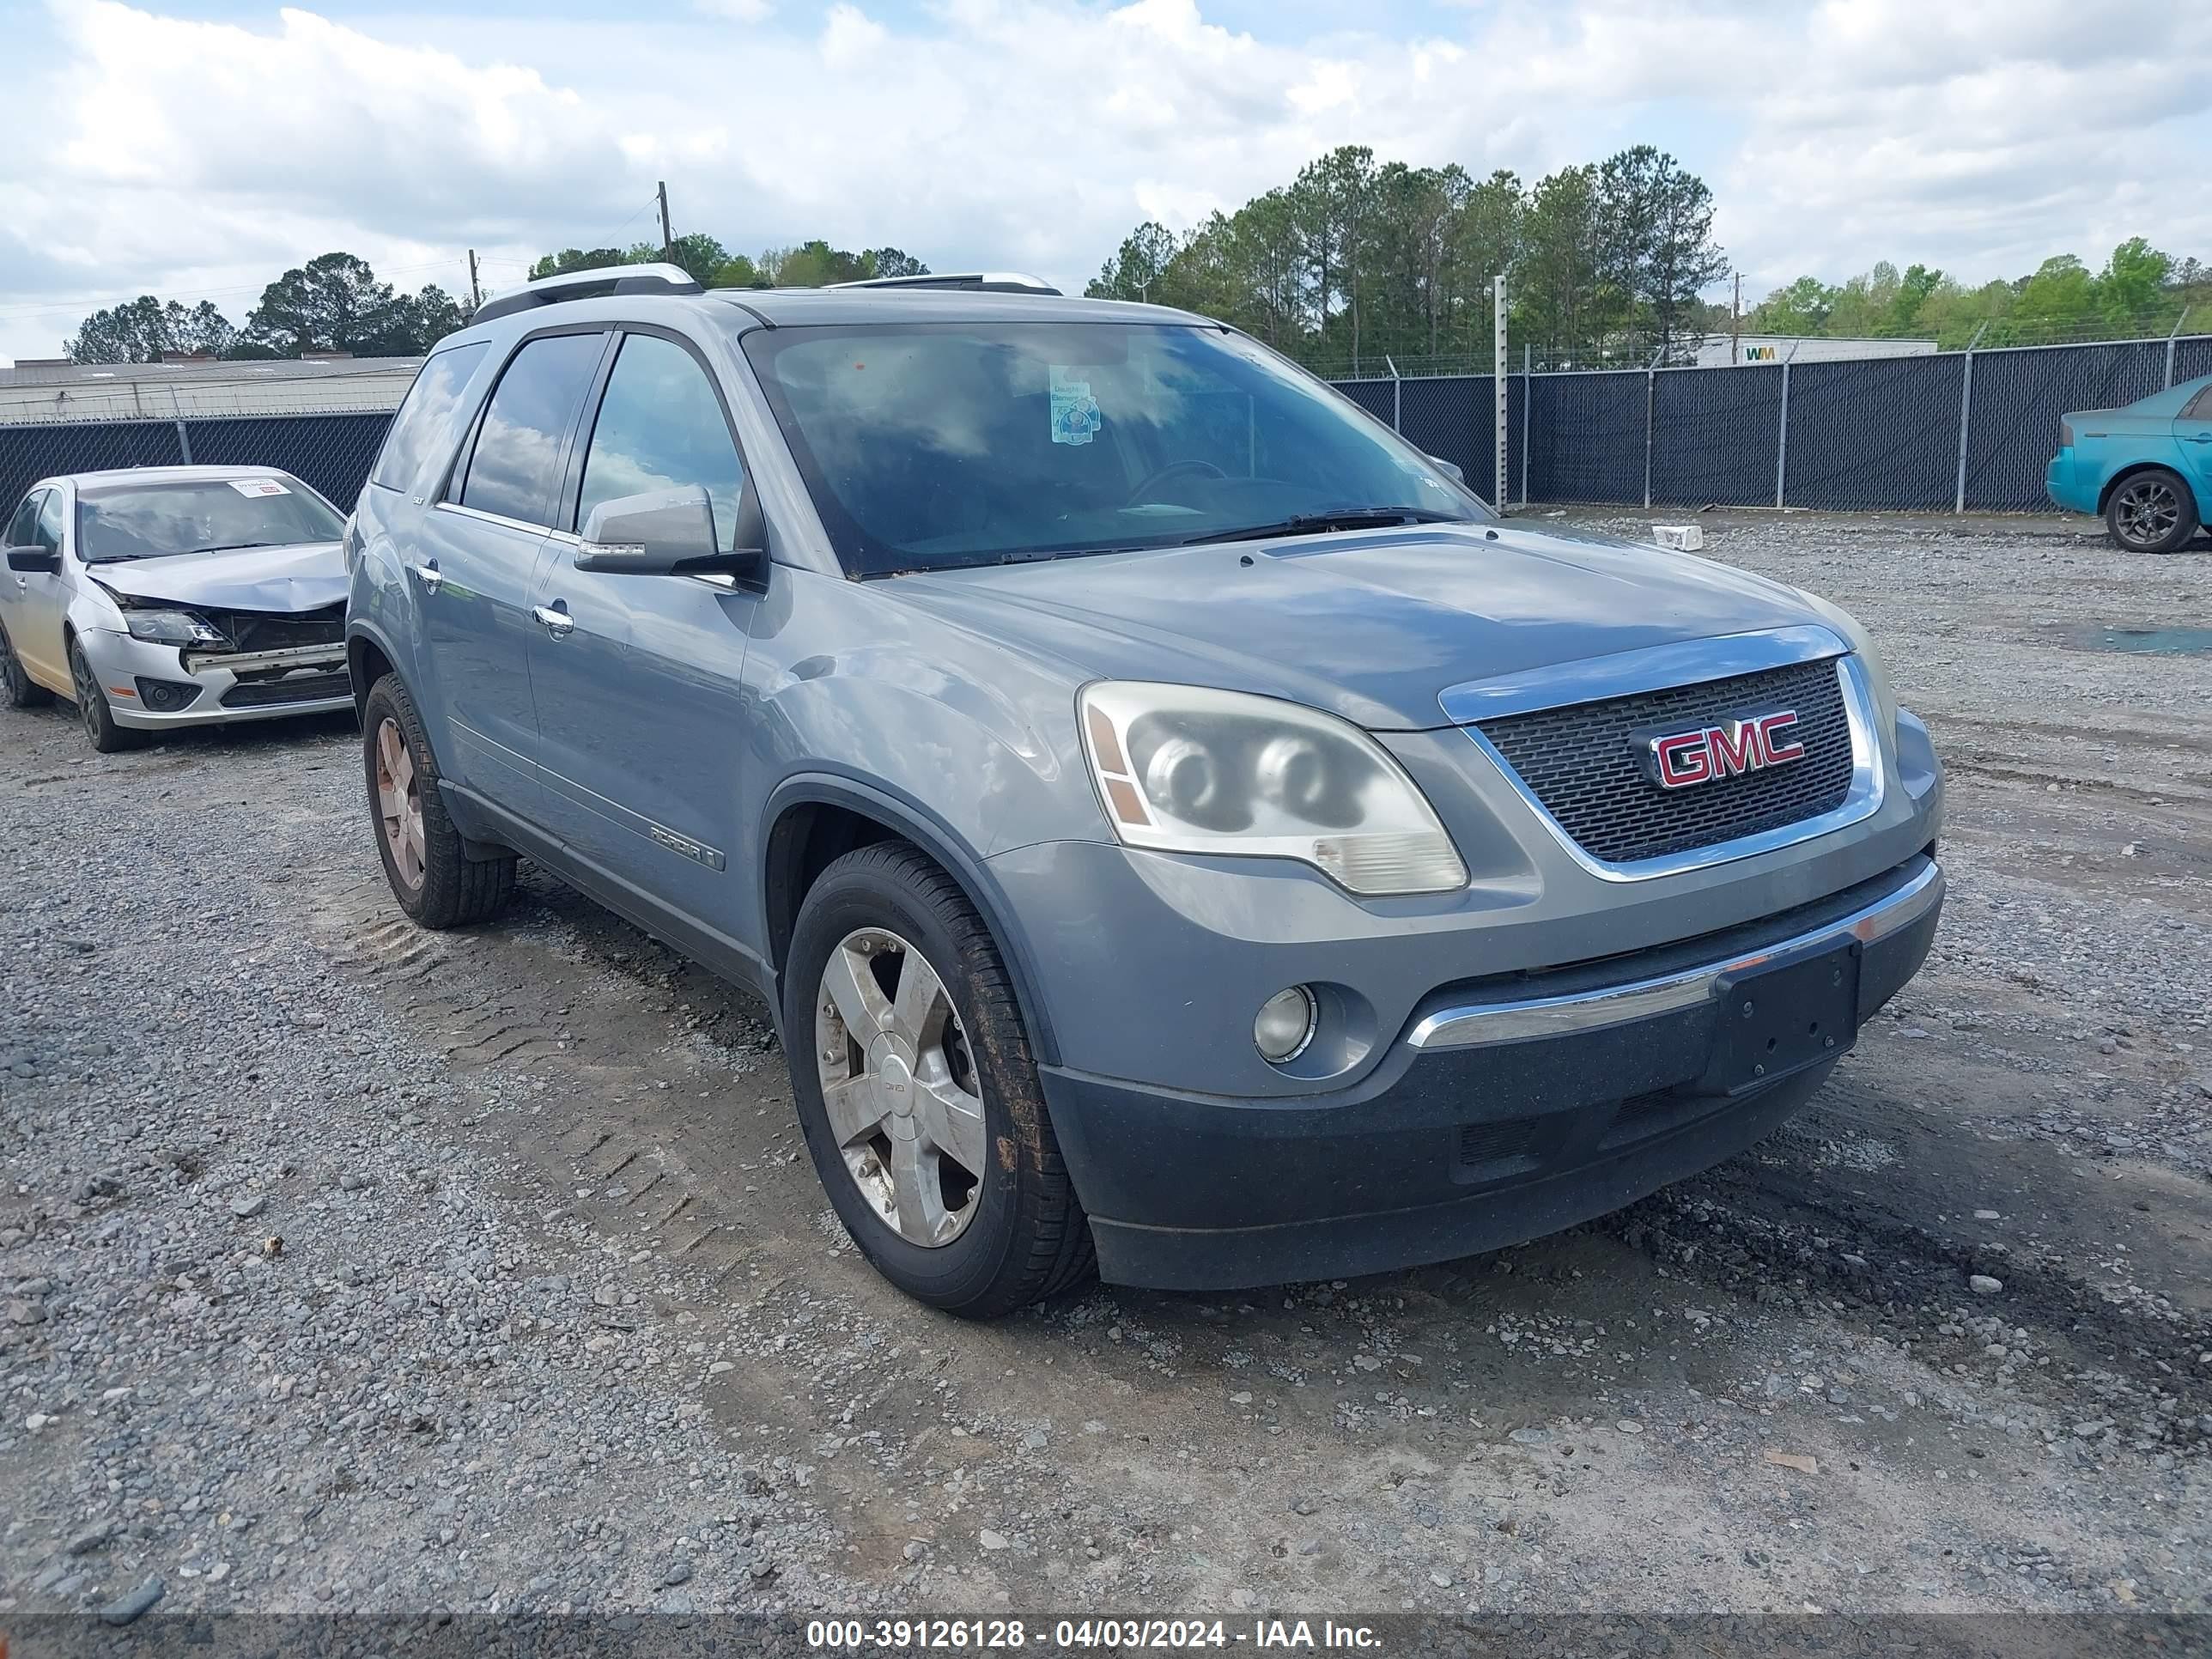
927, 446
200, 515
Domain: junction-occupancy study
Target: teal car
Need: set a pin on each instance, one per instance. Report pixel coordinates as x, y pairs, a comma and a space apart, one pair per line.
2147, 468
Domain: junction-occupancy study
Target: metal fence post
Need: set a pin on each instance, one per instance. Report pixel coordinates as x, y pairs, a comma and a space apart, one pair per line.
184, 440
2172, 335
1397, 395
1498, 423
1965, 417
1528, 397
1650, 408
1782, 444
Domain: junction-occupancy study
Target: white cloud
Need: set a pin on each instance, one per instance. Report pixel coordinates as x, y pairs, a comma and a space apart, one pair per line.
156, 152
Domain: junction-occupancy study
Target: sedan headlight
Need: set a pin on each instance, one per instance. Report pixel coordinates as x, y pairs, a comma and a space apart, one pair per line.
1186, 769
170, 627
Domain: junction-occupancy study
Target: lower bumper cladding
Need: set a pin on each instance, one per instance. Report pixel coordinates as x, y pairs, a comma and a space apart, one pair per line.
1505, 1111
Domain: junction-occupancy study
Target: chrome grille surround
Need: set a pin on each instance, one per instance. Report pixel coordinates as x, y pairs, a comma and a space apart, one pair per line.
1669, 668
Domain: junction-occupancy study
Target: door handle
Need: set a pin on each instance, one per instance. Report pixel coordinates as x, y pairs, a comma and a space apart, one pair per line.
2200, 437
558, 622
428, 575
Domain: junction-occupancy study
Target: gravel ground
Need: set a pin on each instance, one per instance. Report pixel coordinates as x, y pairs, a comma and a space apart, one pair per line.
345, 1266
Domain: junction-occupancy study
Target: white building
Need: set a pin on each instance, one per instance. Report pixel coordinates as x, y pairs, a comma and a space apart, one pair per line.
188, 390
1719, 350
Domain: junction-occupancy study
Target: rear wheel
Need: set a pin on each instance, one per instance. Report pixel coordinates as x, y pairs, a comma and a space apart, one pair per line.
16, 685
425, 858
917, 1093
2151, 512
92, 708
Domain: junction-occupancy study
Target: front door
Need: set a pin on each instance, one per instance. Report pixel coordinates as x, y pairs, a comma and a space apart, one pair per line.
2192, 433
637, 678
41, 597
478, 560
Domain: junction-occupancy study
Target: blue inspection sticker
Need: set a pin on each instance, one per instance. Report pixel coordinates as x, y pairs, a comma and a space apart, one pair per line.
1075, 416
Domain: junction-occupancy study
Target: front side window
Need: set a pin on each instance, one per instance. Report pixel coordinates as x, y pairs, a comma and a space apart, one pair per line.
514, 468
203, 515
661, 427
426, 415
933, 445
24, 524
48, 534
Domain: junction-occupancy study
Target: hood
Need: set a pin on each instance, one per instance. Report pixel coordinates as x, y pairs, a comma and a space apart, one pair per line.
305, 577
1369, 626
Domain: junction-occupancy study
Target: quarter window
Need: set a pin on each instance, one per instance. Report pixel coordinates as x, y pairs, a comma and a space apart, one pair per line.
661, 427
425, 415
515, 467
2200, 406
48, 535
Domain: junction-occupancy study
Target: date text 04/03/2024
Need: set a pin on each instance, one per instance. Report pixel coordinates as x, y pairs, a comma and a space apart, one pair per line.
996, 1635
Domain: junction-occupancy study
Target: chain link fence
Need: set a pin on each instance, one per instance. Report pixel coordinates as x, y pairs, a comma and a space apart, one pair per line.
330, 452
1965, 431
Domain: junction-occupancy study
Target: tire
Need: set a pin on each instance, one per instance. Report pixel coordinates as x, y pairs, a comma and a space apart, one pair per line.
17, 687
437, 883
107, 737
2152, 511
1021, 1234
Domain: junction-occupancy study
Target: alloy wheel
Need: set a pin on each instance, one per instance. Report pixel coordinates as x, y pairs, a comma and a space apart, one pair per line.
13, 679
899, 1085
88, 694
399, 803
2148, 511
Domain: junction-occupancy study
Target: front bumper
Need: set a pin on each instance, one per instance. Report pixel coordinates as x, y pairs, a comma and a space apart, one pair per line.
227, 686
1507, 1107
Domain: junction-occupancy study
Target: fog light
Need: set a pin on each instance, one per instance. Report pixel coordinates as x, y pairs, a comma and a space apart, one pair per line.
1284, 1026
164, 697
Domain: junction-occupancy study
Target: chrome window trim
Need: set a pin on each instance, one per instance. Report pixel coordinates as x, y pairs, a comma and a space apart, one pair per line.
499, 519
1691, 663
1508, 1021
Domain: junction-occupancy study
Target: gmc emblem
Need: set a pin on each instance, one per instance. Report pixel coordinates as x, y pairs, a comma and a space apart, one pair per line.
1676, 760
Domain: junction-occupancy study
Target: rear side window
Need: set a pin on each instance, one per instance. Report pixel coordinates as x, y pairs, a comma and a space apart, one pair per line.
2200, 406
425, 415
516, 465
661, 427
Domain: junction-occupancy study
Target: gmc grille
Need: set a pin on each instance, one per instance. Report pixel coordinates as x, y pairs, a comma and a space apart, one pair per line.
1581, 763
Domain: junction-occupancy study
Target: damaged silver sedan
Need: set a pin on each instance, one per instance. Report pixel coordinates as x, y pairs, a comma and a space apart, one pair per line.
173, 596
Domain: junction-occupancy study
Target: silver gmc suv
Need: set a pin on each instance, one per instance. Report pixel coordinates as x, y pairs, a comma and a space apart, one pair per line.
1176, 823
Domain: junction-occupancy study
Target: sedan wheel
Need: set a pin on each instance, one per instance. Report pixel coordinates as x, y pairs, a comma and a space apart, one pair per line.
16, 685
2152, 511
399, 803
899, 1085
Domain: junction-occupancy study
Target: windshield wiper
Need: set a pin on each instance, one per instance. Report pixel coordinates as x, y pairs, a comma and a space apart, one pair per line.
1314, 523
234, 547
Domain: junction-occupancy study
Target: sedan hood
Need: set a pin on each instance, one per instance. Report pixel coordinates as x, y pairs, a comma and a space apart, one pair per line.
1369, 626
305, 577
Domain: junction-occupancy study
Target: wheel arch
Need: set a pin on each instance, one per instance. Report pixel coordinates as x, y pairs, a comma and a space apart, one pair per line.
2134, 469
812, 819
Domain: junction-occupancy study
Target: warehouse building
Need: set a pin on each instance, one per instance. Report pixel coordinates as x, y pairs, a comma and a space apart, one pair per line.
185, 388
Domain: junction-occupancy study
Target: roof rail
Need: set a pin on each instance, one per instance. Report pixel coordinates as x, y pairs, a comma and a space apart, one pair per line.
594, 284
986, 281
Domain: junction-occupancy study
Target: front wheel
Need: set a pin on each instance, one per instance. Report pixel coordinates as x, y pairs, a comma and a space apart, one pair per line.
917, 1094
2151, 512
92, 708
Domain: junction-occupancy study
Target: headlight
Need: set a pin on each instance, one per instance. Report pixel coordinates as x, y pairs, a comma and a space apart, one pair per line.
1870, 662
1187, 769
170, 627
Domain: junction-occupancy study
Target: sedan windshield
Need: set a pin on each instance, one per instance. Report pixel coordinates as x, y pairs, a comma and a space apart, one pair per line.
930, 445
199, 515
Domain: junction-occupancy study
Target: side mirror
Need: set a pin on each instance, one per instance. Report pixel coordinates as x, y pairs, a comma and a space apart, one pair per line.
35, 560
1451, 470
670, 532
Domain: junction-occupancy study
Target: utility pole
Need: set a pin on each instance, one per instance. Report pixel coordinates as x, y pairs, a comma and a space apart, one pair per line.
667, 237
476, 292
1736, 323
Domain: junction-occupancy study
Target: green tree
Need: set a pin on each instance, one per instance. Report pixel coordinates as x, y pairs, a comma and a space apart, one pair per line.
2131, 288
1803, 307
1140, 261
141, 330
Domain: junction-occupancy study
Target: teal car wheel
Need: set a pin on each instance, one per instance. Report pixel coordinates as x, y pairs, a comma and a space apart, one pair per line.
2151, 512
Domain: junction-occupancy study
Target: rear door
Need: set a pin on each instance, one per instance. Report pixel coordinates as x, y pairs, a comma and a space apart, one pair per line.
2192, 432
479, 557
637, 677
15, 584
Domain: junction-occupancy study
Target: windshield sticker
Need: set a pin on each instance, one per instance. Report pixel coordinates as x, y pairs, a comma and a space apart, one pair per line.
259, 487
1075, 416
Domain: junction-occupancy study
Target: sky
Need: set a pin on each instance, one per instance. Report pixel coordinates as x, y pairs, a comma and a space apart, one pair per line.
196, 152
